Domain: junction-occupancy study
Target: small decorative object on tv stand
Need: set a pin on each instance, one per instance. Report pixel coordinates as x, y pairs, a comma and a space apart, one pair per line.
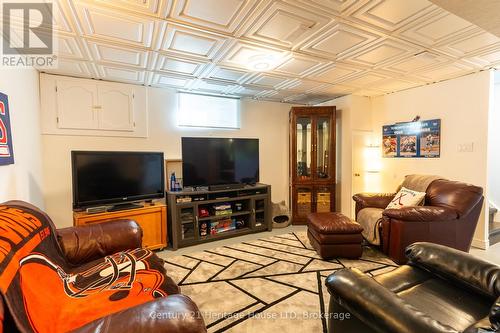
202, 216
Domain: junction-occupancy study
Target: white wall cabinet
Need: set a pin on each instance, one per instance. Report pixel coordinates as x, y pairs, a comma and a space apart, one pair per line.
75, 105
116, 109
72, 106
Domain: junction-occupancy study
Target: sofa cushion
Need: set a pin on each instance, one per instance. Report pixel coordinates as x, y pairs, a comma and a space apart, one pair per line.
419, 183
447, 303
406, 197
402, 278
369, 219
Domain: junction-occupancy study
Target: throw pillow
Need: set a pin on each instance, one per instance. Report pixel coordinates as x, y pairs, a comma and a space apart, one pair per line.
406, 197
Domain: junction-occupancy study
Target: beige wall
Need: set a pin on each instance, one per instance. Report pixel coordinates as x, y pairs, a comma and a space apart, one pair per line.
493, 145
23, 179
266, 121
353, 118
462, 104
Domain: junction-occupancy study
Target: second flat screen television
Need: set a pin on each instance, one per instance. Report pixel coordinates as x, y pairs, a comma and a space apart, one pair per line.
219, 161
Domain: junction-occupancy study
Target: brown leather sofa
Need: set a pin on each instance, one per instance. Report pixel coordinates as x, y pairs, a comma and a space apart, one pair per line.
84, 244
441, 290
448, 217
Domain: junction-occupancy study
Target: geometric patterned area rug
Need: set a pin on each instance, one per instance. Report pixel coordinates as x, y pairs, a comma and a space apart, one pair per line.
274, 284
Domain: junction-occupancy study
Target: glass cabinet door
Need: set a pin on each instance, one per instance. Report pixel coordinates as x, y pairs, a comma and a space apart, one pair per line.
322, 148
303, 200
304, 147
260, 209
188, 218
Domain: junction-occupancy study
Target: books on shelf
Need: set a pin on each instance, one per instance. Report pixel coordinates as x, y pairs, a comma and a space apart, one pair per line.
222, 209
223, 212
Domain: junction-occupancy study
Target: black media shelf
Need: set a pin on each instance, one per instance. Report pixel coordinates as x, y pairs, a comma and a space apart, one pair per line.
222, 217
185, 223
227, 234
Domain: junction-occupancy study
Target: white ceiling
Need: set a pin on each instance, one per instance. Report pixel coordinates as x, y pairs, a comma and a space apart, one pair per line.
326, 48
483, 13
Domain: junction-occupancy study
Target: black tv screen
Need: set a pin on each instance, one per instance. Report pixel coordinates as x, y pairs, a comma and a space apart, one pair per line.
219, 161
115, 177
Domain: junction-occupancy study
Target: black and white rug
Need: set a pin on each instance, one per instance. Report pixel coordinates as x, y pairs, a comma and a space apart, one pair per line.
268, 285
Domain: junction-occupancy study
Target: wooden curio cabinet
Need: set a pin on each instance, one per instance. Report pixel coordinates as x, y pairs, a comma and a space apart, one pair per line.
312, 161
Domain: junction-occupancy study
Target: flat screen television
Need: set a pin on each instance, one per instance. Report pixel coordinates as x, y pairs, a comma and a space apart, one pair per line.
101, 178
219, 161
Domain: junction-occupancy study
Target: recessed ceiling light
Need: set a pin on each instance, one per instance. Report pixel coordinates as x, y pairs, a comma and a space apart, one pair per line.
262, 62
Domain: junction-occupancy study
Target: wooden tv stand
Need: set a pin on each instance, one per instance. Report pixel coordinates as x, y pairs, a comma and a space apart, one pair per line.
152, 218
185, 219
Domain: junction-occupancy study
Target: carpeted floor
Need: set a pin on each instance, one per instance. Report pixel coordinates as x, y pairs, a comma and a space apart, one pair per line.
266, 285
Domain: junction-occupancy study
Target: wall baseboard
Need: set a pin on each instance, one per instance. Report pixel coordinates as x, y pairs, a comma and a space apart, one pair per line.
481, 244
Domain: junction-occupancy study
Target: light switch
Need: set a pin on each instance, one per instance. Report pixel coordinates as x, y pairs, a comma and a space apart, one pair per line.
467, 147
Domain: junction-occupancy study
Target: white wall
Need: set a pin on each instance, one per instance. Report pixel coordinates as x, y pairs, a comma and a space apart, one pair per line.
494, 144
23, 179
353, 117
462, 104
266, 121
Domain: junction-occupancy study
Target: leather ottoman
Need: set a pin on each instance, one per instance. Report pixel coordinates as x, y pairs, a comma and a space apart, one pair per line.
334, 235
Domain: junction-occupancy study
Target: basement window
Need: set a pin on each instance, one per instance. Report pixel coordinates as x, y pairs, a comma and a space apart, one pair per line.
208, 111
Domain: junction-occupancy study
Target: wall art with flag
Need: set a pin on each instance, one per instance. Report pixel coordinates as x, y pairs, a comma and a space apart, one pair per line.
6, 151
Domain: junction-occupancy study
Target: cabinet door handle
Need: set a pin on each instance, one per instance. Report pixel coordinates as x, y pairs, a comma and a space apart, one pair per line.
97, 107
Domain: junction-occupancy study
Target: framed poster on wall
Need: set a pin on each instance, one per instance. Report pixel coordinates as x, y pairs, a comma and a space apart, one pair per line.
418, 139
6, 152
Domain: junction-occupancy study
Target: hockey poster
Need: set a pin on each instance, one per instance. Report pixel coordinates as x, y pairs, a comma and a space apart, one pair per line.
418, 139
6, 152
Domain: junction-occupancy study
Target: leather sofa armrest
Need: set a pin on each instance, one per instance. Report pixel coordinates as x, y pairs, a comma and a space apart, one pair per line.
372, 200
422, 213
83, 244
457, 266
375, 200
172, 314
378, 307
